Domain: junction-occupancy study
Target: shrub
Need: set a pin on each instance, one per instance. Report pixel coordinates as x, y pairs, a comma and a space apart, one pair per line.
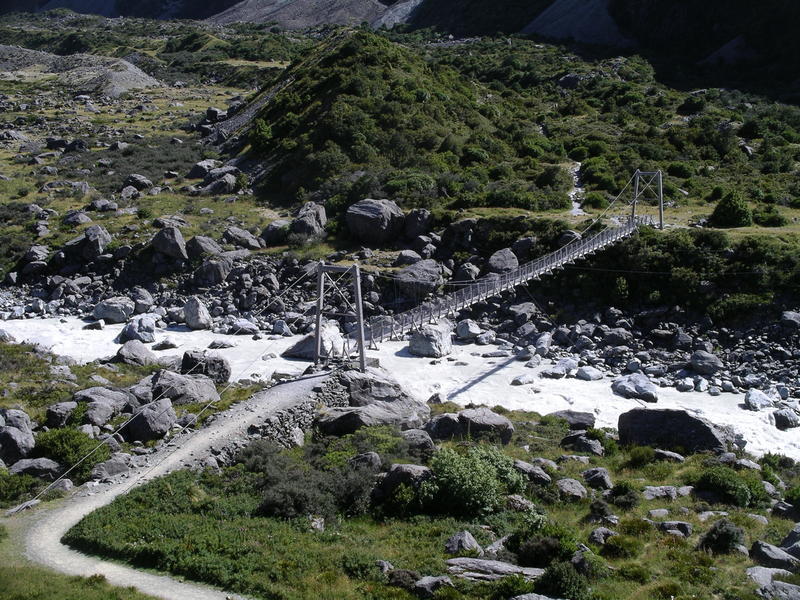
635, 526
599, 509
622, 546
14, 488
769, 216
793, 495
553, 542
681, 170
470, 483
634, 572
511, 587
595, 200
739, 489
561, 580
624, 495
731, 211
358, 565
3, 533
722, 538
641, 456
68, 447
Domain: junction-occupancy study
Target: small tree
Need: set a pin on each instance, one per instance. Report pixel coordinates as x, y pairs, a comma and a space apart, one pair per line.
731, 211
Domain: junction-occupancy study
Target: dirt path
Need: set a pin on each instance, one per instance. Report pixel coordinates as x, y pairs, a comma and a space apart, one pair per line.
46, 527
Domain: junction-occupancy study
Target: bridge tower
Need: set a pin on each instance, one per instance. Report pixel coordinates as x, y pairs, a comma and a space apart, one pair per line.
649, 184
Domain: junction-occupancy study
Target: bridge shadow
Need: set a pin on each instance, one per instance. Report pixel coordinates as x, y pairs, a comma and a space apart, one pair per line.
472, 383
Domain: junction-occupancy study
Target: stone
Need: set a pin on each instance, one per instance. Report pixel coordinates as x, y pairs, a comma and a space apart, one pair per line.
310, 220
418, 440
483, 421
600, 535
635, 385
764, 575
59, 414
134, 352
375, 222
768, 555
43, 468
196, 314
169, 242
140, 182
589, 374
757, 400
668, 456
467, 330
429, 585
399, 474
243, 327
332, 343
576, 420
213, 366
684, 528
669, 428
786, 418
374, 385
462, 542
152, 422
184, 389
116, 465
481, 569
571, 489
90, 244
200, 246
705, 363
444, 426
406, 257
15, 444
114, 310
212, 272
276, 233
405, 414
417, 222
141, 328
518, 503
367, 460
658, 492
420, 279
241, 238
502, 261
790, 319
203, 168
19, 419
432, 340
142, 299
598, 478
534, 473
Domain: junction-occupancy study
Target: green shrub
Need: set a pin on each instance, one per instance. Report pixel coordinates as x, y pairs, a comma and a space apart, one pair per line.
641, 456
768, 216
635, 526
722, 538
3, 533
681, 170
471, 482
792, 495
511, 587
732, 487
595, 200
561, 580
359, 565
634, 572
731, 211
624, 495
16, 488
554, 542
622, 546
67, 447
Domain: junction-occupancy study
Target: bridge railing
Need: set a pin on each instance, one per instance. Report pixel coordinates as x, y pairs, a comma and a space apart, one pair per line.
378, 329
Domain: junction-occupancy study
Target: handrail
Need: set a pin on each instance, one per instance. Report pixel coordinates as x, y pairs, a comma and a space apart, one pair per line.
489, 286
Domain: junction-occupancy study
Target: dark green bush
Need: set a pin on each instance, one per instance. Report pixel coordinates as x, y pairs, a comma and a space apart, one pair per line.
641, 456
635, 526
67, 447
595, 200
768, 216
622, 546
561, 580
792, 495
634, 572
722, 538
625, 495
553, 542
731, 211
732, 487
511, 587
16, 488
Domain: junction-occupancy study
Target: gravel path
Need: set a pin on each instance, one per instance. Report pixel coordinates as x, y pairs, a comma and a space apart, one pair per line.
47, 526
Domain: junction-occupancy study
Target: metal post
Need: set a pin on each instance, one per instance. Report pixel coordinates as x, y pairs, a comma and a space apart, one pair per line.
660, 201
320, 304
362, 356
635, 193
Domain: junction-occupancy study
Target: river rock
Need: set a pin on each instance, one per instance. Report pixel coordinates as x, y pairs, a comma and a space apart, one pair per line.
375, 222
134, 352
213, 366
169, 242
196, 314
184, 389
432, 340
114, 310
420, 279
635, 385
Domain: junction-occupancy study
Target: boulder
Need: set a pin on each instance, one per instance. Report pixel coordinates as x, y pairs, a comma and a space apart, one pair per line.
200, 246
461, 542
213, 366
169, 242
19, 419
589, 374
598, 478
89, 245
768, 555
310, 220
571, 489
332, 343
635, 385
397, 475
116, 465
203, 168
241, 238
375, 222
140, 182
141, 328
406, 414
43, 468
212, 272
600, 535
417, 222
114, 397
429, 585
502, 261
444, 426
59, 414
432, 340
576, 420
790, 319
705, 363
196, 314
420, 279
533, 473
483, 421
467, 330
786, 418
152, 422
114, 310
407, 257
374, 385
15, 444
669, 429
184, 389
418, 440
142, 299
135, 352
757, 400
481, 569
276, 232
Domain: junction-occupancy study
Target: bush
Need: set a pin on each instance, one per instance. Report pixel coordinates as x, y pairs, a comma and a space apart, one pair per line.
622, 546
474, 482
641, 456
16, 488
553, 542
634, 572
511, 587
67, 447
793, 496
739, 489
624, 495
635, 526
722, 538
769, 216
561, 580
731, 211
595, 200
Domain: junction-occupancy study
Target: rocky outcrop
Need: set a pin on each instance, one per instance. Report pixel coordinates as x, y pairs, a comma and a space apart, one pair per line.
671, 429
375, 221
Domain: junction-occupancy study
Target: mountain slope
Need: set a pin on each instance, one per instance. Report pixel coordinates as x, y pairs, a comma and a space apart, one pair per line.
300, 14
585, 21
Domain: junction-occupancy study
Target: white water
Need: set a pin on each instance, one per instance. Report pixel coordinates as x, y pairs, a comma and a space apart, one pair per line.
479, 380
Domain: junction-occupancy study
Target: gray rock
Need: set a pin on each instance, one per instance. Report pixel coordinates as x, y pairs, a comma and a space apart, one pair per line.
19, 419
152, 422
428, 586
200, 246
432, 340
467, 329
375, 221
399, 474
589, 374
142, 299
406, 414
571, 489
407, 257
140, 182
657, 492
241, 238
790, 319
332, 342
780, 590
481, 569
169, 242
203, 168
483, 421
669, 428
244, 327
705, 363
135, 352
90, 244
757, 400
367, 460
598, 478
786, 418
212, 272
418, 440
668, 456
417, 222
502, 261
792, 538
600, 535
276, 232
310, 220
184, 389
461, 542
196, 314
216, 367
763, 575
141, 328
635, 385
114, 310
576, 420
768, 555
43, 468
59, 414
534, 473
444, 426
684, 528
15, 444
374, 385
420, 279
116, 465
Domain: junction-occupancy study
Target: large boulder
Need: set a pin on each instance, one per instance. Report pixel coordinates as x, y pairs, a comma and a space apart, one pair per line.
89, 245
374, 385
241, 238
184, 389
152, 422
576, 419
114, 310
276, 232
406, 414
483, 421
134, 352
213, 272
203, 168
140, 182
216, 367
757, 400
196, 314
310, 220
768, 555
375, 221
432, 340
400, 474
635, 385
670, 429
59, 414
169, 242
502, 261
417, 223
15, 444
13, 417
332, 343
705, 363
44, 468
141, 328
420, 279
201, 245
